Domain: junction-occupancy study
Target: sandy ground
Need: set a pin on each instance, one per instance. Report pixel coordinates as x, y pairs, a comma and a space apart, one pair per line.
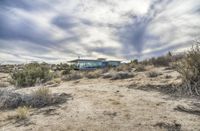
105, 105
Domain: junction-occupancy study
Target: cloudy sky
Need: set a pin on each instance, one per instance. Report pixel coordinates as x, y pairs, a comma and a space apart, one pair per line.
61, 30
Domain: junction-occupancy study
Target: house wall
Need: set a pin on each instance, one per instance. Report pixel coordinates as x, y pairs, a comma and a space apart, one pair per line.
94, 64
89, 64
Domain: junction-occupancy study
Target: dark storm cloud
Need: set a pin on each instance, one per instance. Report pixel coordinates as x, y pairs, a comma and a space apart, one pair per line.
135, 34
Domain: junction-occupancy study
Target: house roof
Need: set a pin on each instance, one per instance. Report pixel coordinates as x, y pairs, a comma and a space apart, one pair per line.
98, 60
76, 60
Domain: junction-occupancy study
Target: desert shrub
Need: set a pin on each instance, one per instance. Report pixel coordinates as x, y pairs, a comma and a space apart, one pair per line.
189, 68
44, 97
9, 99
117, 75
121, 75
31, 74
22, 112
43, 93
74, 75
6, 68
159, 61
153, 74
93, 74
140, 68
37, 99
41, 97
65, 72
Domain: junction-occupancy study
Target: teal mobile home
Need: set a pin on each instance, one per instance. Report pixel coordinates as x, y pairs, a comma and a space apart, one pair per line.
84, 64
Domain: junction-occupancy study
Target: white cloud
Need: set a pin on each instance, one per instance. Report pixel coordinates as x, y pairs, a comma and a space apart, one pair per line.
63, 29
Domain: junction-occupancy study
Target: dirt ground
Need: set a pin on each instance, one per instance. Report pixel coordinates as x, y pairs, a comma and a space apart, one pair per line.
109, 105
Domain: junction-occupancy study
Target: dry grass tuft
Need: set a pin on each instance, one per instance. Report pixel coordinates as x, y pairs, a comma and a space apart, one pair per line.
22, 113
42, 93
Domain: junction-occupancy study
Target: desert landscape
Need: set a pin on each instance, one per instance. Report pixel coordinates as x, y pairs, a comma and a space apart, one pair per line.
129, 97
99, 65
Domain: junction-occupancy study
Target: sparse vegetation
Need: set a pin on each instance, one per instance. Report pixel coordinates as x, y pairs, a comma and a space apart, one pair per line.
39, 98
153, 74
74, 75
10, 99
22, 113
93, 74
42, 93
122, 75
30, 75
159, 61
140, 68
125, 67
117, 75
189, 68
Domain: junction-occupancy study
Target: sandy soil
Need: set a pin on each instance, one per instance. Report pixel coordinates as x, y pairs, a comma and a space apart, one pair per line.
105, 105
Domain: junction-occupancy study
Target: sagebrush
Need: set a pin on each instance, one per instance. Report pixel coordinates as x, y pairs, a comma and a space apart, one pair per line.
31, 74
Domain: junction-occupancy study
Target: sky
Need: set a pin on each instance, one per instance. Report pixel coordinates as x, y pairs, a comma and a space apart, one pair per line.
61, 30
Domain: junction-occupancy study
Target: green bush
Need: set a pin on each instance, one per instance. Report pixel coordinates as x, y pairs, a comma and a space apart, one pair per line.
189, 68
31, 74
